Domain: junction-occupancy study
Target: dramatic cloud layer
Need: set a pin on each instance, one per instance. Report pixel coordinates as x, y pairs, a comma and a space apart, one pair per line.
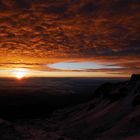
39, 32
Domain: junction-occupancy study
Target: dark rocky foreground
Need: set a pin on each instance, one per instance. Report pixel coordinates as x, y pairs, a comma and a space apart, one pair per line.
112, 114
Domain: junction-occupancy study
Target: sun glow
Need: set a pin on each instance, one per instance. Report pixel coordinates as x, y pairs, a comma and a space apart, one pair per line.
19, 73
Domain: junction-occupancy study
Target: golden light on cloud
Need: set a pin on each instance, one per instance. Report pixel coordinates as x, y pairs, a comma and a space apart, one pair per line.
73, 31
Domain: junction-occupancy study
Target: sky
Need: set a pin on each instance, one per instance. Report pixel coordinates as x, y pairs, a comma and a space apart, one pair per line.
69, 38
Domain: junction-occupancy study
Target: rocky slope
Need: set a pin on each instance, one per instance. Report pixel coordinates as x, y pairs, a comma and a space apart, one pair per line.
112, 114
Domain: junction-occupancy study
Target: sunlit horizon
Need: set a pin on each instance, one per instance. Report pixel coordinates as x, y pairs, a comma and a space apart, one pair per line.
64, 69
26, 73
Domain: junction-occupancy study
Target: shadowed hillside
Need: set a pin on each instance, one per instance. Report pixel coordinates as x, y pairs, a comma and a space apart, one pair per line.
112, 114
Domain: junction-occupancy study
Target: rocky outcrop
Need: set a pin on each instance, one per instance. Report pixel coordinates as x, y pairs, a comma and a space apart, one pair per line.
135, 77
113, 114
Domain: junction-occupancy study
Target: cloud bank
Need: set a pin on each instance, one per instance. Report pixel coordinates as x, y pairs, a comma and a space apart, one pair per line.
45, 32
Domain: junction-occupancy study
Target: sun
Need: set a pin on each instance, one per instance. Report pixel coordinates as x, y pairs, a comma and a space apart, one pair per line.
19, 73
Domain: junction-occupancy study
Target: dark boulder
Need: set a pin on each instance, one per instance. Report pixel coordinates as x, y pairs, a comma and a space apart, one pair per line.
61, 138
136, 101
135, 77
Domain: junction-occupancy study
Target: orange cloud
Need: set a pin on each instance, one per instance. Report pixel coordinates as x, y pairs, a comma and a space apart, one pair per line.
47, 32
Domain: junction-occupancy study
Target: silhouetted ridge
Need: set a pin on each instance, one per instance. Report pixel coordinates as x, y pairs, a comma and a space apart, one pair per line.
135, 77
111, 91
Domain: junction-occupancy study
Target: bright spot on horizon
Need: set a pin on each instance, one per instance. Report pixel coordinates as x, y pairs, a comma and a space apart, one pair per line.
19, 73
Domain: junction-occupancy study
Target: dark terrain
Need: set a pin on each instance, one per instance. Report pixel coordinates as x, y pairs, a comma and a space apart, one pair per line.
39, 97
112, 113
